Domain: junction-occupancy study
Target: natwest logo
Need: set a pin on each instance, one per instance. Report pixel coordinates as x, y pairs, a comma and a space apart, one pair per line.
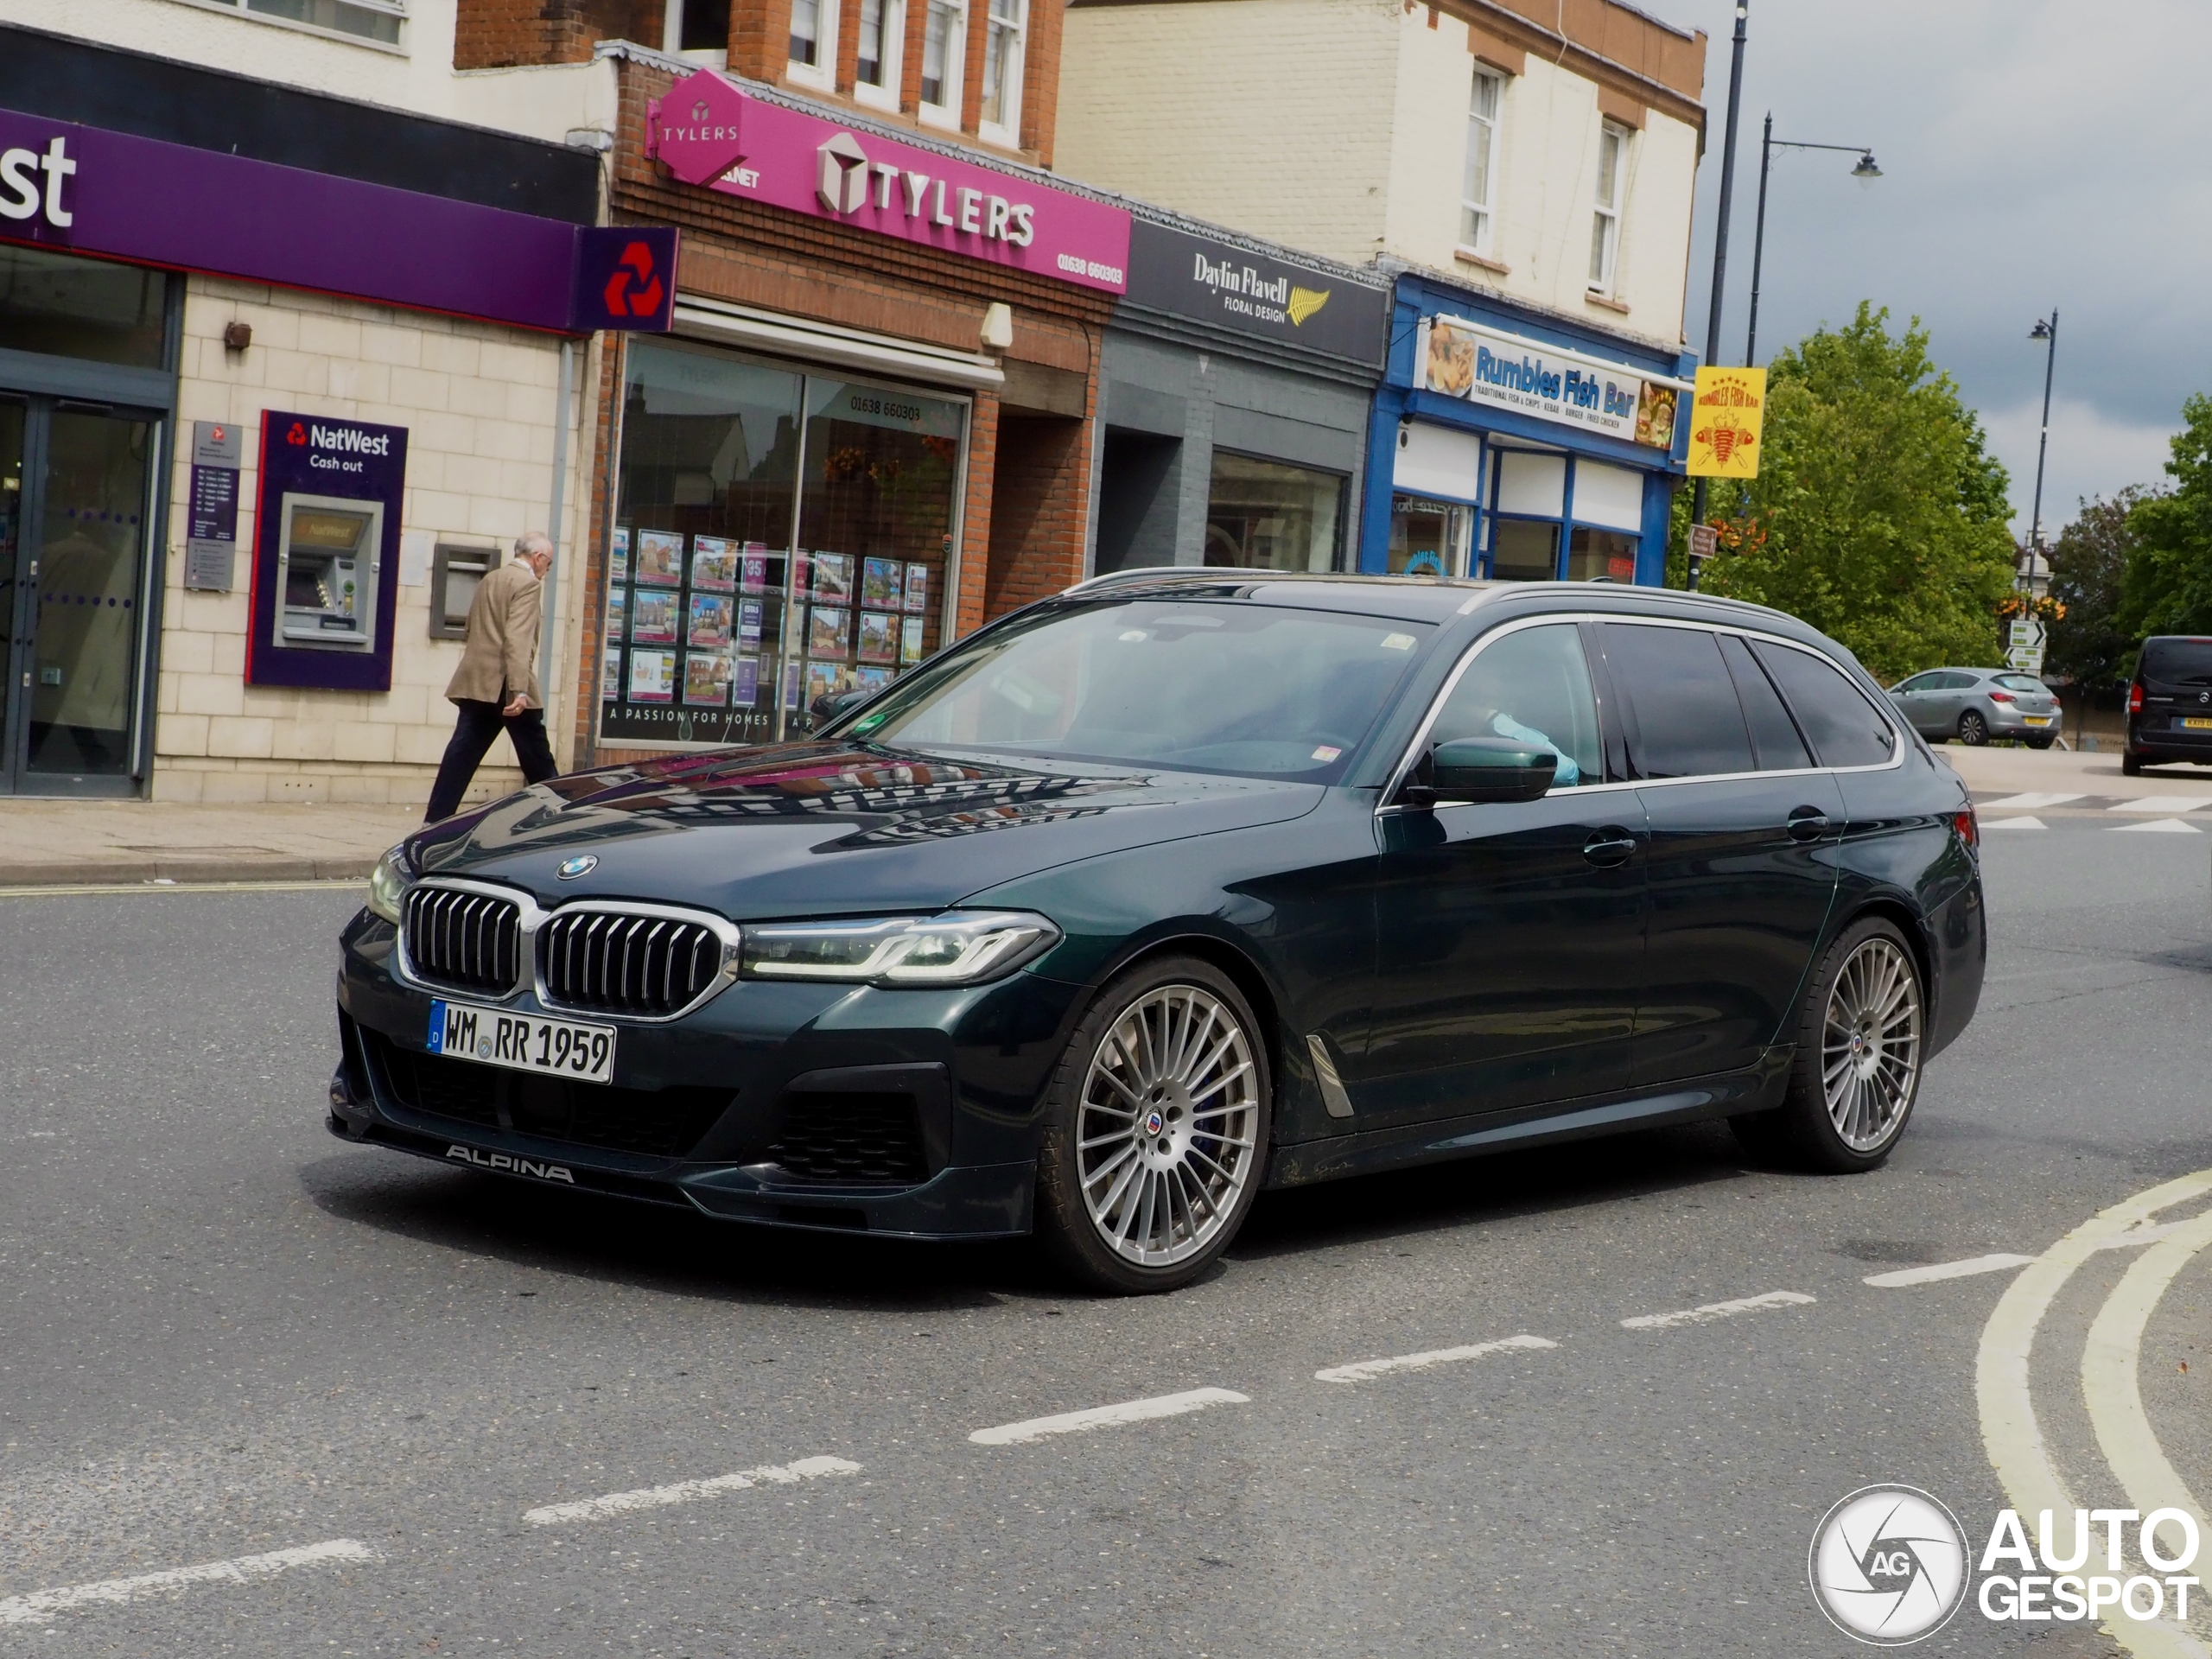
349, 440
634, 288
23, 195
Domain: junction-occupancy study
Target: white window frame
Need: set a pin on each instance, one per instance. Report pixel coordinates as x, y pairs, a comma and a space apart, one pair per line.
1605, 212
383, 8
822, 75
884, 95
1482, 129
1010, 35
946, 113
671, 39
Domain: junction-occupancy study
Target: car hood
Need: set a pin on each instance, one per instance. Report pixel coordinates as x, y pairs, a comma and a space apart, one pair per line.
832, 828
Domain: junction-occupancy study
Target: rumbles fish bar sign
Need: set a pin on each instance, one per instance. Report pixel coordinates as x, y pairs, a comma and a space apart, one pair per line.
1461, 359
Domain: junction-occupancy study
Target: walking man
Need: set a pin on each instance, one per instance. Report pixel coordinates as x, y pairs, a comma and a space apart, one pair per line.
496, 684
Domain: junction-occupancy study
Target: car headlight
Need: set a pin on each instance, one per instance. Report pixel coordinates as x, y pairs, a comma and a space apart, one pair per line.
956, 948
388, 881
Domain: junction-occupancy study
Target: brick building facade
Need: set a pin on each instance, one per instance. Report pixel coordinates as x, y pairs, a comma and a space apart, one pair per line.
1001, 360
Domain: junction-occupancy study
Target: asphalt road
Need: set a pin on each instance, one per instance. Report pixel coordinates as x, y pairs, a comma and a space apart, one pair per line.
225, 1335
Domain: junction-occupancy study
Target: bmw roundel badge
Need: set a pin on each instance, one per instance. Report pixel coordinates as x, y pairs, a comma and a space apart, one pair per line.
581, 864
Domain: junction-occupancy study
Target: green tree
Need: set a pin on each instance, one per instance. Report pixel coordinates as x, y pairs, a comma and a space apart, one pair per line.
2167, 585
2089, 647
1878, 515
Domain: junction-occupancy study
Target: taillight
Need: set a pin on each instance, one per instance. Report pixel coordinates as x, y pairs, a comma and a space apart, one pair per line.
2001, 696
1969, 831
2135, 698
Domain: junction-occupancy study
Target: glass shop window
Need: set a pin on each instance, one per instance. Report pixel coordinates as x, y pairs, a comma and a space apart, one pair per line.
1600, 555
62, 305
1428, 537
781, 540
1268, 515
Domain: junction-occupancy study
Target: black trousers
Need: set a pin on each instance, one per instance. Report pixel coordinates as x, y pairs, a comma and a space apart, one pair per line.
473, 734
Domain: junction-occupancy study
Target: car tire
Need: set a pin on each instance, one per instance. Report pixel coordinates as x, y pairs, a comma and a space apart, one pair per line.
1974, 730
1862, 1034
2039, 742
2131, 764
1156, 1129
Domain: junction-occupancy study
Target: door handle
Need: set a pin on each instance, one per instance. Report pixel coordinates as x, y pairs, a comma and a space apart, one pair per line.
1807, 823
1610, 845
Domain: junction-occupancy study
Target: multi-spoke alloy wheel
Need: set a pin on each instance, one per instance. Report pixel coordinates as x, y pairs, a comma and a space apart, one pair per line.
1870, 1054
1166, 1133
1859, 1039
1156, 1135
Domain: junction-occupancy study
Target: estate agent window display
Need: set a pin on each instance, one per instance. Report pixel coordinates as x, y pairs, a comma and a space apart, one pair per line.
782, 539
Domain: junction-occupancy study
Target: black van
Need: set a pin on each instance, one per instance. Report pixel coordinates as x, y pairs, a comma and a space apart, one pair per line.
2169, 705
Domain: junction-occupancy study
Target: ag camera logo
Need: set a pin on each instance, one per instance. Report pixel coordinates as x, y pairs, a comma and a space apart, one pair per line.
1888, 1565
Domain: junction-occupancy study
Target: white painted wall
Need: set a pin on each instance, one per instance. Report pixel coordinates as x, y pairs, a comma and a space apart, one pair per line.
538, 102
1272, 116
1340, 126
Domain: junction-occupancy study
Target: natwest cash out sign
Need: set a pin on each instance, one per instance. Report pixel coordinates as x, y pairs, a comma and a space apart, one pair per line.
709, 133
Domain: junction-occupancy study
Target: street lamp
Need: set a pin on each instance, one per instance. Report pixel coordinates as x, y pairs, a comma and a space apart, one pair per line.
1866, 173
1721, 241
2046, 330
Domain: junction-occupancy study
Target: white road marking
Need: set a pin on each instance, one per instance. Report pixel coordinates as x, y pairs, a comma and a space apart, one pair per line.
2029, 802
1362, 1370
2109, 1374
2161, 827
687, 1492
1961, 1269
41, 1605
1716, 1311
2162, 803
2009, 1431
1134, 1411
2014, 823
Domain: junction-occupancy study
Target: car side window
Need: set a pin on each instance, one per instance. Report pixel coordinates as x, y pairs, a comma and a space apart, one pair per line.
1773, 734
1843, 725
1953, 682
1922, 683
1533, 685
1688, 723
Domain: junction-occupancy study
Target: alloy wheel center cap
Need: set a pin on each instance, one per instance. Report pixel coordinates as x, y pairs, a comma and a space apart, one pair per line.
1153, 1122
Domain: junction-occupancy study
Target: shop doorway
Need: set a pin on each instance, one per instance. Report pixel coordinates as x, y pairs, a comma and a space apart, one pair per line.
76, 493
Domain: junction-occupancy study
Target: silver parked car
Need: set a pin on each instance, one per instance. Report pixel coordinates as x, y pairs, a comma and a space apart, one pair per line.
1976, 704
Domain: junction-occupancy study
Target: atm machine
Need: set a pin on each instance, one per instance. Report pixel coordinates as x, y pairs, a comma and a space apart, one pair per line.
326, 553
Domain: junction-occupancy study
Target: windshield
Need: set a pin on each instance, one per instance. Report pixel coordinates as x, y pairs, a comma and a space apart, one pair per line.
2022, 682
1253, 691
2177, 662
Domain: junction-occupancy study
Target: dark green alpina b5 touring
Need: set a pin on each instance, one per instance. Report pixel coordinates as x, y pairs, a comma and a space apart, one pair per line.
1182, 884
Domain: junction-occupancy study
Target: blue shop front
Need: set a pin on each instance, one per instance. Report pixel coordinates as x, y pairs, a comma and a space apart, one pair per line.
1511, 443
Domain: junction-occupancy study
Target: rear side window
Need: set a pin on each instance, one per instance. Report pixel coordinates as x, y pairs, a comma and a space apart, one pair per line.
1831, 711
2177, 662
1689, 723
1774, 737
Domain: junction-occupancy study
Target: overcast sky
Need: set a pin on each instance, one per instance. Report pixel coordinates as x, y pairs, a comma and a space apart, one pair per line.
2035, 153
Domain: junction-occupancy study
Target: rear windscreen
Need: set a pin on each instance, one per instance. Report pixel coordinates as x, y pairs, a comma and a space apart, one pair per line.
2177, 662
2021, 683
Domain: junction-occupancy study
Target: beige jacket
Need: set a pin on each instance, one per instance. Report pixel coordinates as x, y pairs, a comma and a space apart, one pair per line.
501, 656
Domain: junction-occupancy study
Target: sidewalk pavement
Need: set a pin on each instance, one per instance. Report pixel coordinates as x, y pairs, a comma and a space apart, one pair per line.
111, 843
2010, 769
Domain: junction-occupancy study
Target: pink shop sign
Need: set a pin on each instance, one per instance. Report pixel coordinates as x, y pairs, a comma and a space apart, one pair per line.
711, 133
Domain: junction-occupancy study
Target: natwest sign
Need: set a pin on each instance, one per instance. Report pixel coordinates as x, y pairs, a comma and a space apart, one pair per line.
709, 133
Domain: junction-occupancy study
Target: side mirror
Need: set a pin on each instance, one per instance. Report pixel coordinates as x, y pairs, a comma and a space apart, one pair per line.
1490, 769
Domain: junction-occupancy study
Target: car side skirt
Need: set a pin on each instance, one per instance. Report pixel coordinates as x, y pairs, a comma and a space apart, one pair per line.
1756, 1089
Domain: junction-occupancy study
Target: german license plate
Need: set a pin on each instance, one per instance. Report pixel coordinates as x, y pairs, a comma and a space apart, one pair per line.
2043, 720
522, 1042
2195, 723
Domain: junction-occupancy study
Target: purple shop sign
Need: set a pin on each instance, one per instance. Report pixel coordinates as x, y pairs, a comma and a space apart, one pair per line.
120, 196
708, 132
